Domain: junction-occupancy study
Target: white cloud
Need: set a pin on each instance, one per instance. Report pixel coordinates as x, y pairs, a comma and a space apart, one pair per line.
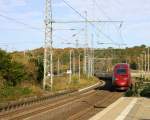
9, 5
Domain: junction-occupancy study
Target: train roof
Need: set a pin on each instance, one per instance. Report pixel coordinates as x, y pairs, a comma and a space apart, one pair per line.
122, 65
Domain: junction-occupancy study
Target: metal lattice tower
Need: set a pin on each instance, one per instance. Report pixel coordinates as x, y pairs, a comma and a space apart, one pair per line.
48, 53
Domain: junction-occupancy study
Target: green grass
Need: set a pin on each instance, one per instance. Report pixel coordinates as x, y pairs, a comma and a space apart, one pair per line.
8, 93
13, 93
146, 92
139, 91
129, 93
62, 83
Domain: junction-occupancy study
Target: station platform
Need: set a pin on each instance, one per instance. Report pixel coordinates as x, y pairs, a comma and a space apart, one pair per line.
126, 108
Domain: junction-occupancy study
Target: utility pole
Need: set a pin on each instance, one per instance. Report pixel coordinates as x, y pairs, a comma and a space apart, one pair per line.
145, 63
77, 43
79, 67
92, 54
48, 53
74, 65
24, 53
86, 45
70, 71
142, 56
148, 60
89, 65
90, 58
74, 55
139, 66
58, 66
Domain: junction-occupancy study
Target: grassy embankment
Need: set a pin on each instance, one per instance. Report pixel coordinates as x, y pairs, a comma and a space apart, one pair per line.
141, 88
25, 90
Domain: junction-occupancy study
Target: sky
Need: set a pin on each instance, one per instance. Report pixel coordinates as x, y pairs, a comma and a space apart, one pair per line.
135, 15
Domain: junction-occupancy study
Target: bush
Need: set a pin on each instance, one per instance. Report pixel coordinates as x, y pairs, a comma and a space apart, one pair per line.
75, 79
40, 70
134, 66
25, 91
4, 61
129, 93
145, 92
12, 72
15, 74
14, 93
132, 91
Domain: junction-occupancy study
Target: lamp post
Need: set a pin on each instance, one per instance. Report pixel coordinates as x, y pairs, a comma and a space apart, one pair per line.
79, 67
58, 66
70, 70
145, 62
142, 65
79, 59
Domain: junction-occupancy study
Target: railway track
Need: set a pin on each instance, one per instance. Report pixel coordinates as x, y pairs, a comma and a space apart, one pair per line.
77, 106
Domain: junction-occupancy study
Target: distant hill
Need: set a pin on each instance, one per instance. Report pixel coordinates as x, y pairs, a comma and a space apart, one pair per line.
31, 62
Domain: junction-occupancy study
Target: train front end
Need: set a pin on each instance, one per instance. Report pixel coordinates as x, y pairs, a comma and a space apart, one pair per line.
121, 77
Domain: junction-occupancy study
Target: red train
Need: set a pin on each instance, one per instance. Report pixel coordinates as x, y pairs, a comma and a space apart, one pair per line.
121, 79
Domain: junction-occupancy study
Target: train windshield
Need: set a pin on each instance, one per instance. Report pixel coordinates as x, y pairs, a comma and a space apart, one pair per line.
121, 71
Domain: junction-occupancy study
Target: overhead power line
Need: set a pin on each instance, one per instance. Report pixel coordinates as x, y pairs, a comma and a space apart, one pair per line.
101, 10
89, 21
19, 22
117, 27
74, 9
108, 37
73, 35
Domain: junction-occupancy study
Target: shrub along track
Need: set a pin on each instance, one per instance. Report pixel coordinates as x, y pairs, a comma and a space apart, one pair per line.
77, 106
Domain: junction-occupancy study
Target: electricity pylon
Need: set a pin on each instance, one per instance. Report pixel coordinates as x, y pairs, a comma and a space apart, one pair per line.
48, 53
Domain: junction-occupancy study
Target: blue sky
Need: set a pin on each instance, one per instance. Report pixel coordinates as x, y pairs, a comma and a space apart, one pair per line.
134, 31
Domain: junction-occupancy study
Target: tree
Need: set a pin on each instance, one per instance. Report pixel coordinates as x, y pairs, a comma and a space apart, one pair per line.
134, 66
40, 70
15, 74
11, 71
143, 46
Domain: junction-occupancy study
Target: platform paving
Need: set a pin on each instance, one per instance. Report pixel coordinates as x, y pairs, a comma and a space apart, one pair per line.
126, 108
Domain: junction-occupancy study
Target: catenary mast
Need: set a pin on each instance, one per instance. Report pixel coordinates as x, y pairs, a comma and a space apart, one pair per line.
48, 52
